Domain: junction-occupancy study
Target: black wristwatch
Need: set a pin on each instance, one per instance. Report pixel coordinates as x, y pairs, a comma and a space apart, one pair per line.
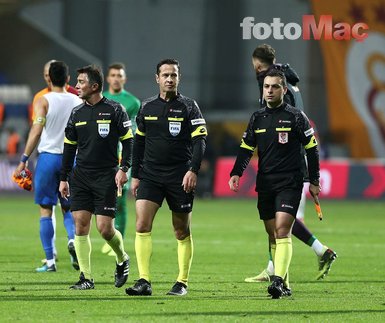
315, 182
124, 169
191, 169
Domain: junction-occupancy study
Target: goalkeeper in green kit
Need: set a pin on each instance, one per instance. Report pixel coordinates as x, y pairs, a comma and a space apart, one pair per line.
116, 79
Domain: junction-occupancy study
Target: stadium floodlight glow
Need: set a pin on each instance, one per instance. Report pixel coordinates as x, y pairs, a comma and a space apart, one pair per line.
309, 30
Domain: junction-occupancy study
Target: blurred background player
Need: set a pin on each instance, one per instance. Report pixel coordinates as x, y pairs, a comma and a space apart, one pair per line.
48, 89
13, 143
116, 79
37, 96
263, 60
52, 111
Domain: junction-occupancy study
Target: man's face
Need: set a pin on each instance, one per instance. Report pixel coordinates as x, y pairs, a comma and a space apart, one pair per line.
84, 88
273, 90
116, 79
168, 78
258, 65
46, 75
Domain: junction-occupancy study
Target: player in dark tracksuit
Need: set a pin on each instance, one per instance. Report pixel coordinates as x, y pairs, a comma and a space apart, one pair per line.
93, 132
263, 62
169, 145
278, 132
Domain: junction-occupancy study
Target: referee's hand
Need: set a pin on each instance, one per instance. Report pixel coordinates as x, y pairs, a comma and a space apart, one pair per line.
120, 178
64, 189
134, 185
314, 191
234, 183
189, 181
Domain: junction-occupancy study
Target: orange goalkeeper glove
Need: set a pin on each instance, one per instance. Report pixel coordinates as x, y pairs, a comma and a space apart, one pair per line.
24, 180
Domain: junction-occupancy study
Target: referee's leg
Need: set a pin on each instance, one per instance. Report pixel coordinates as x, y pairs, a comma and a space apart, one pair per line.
82, 243
145, 214
181, 223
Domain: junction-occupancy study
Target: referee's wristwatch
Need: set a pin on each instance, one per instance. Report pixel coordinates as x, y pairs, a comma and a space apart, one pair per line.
124, 169
192, 169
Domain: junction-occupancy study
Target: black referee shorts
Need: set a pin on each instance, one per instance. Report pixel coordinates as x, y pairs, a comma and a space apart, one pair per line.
279, 193
156, 191
284, 201
94, 191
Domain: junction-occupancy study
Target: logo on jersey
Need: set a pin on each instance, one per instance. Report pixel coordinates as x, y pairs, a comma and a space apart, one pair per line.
195, 122
127, 124
309, 132
174, 128
103, 129
283, 137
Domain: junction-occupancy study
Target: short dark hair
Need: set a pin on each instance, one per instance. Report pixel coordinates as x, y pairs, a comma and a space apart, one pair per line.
265, 53
277, 73
117, 66
58, 73
168, 61
94, 73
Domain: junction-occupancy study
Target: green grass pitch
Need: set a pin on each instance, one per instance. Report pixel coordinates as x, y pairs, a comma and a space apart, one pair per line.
230, 244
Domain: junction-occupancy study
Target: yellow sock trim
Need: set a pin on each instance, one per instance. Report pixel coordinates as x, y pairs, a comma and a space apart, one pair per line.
283, 256
143, 250
185, 256
116, 243
83, 252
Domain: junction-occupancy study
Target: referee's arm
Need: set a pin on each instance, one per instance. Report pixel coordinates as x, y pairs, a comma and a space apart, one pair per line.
69, 153
243, 158
246, 150
124, 126
312, 155
244, 155
138, 153
198, 147
127, 142
139, 145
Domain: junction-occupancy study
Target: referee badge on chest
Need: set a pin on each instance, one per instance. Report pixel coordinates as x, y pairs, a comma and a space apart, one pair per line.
103, 129
174, 128
283, 137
